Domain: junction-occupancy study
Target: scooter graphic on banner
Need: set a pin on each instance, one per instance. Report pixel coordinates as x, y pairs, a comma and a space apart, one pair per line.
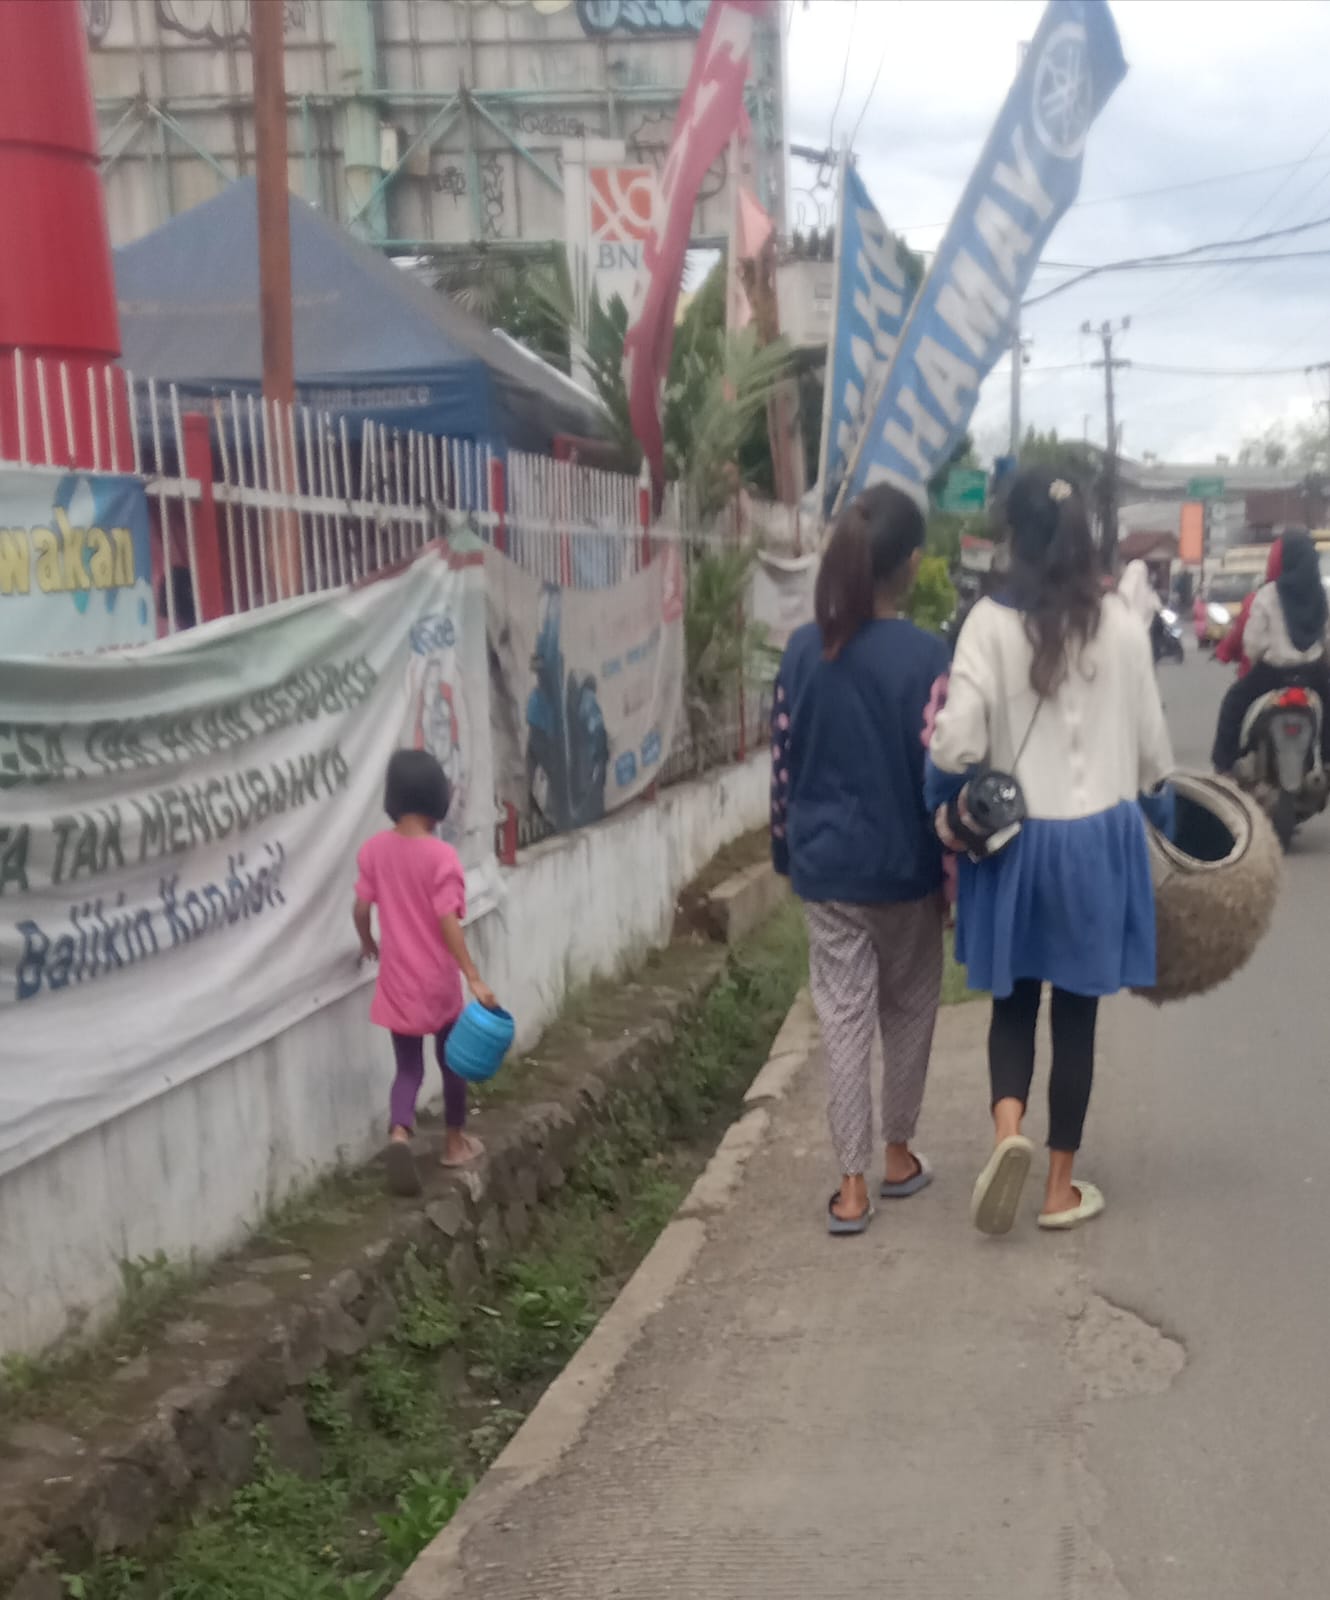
567, 744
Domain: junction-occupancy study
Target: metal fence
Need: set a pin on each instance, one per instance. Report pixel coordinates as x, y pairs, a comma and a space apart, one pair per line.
253, 502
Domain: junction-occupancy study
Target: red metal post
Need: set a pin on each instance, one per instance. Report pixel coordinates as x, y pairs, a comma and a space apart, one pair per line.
499, 503
276, 329
507, 846
207, 546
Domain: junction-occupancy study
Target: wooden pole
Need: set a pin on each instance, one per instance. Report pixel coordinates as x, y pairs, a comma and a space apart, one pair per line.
279, 367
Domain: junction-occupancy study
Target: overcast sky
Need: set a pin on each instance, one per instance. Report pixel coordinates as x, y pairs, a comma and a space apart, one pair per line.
1215, 89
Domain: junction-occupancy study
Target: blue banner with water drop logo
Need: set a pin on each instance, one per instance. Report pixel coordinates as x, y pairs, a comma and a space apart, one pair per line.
964, 315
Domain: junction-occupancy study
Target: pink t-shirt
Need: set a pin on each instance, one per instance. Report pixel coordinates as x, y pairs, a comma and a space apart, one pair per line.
413, 882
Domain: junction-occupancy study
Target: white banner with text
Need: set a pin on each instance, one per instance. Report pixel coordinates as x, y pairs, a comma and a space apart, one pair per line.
179, 824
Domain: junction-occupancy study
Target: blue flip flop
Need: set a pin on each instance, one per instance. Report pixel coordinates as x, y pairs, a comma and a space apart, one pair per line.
843, 1226
911, 1185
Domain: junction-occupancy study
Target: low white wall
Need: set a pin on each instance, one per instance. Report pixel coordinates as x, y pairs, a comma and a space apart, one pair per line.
192, 1171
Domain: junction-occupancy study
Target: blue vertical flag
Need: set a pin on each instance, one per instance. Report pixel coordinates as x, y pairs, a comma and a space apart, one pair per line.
964, 315
872, 298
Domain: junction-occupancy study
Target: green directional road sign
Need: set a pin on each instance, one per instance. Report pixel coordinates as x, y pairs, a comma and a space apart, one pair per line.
1205, 488
966, 489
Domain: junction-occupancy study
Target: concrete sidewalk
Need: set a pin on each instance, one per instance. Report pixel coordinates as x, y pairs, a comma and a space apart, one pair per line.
768, 1412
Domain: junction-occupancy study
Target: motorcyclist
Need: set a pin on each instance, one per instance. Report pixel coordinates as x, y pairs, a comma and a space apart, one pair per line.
1287, 639
1143, 600
1232, 647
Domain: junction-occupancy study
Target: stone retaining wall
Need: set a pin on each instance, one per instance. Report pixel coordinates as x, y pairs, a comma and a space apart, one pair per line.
177, 1425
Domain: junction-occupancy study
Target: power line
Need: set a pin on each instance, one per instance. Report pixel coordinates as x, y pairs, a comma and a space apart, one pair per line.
1216, 372
1168, 188
1178, 256
868, 98
845, 73
1265, 205
1163, 369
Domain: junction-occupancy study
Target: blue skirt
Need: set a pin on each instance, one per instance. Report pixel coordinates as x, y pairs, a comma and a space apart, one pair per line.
1070, 903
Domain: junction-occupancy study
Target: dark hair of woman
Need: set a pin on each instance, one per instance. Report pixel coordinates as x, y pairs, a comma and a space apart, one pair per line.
416, 786
1054, 573
1301, 593
869, 550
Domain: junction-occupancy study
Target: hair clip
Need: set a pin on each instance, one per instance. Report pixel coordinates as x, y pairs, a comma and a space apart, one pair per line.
1059, 490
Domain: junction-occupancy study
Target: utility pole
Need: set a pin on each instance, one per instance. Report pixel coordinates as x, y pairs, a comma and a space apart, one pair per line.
1020, 357
279, 375
1323, 368
1107, 333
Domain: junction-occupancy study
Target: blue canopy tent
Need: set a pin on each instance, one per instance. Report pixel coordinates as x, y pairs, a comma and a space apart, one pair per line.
371, 343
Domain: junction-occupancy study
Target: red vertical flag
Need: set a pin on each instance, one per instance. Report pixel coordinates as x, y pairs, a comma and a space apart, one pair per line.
710, 111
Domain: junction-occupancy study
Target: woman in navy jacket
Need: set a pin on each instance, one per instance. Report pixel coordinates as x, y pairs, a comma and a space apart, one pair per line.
850, 830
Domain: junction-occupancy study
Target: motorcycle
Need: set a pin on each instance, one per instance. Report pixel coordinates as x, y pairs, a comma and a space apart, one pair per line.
1280, 763
1166, 636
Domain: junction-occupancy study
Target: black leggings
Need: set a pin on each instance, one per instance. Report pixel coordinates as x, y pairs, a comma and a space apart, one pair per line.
1243, 694
1011, 1056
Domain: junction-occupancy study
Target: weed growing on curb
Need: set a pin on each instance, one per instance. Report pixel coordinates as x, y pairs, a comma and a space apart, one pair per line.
404, 1431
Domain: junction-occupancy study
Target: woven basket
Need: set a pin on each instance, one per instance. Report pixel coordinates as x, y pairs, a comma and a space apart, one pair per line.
1215, 883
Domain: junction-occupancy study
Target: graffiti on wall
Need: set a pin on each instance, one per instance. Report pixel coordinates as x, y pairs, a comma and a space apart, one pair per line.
550, 124
452, 180
223, 21
636, 16
642, 16
491, 194
96, 20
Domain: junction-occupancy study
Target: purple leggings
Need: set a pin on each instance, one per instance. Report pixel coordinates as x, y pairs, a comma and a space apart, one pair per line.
409, 1051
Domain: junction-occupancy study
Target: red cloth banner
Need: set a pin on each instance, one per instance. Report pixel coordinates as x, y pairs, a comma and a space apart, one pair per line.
710, 111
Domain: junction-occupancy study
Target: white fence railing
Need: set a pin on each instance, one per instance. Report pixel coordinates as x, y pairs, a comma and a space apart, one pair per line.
253, 502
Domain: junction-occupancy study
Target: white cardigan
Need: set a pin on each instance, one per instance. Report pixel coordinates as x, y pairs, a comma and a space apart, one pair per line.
1099, 740
1265, 637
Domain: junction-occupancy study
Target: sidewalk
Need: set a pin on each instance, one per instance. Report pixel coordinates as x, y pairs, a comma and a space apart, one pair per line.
768, 1412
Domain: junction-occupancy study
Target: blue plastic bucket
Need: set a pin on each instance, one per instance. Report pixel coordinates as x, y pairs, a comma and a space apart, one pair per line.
478, 1042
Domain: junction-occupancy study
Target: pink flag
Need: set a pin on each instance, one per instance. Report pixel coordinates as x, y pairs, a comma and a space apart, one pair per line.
709, 112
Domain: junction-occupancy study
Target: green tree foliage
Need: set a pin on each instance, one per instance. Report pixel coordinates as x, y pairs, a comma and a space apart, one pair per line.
529, 297
946, 529
933, 598
1301, 446
1080, 463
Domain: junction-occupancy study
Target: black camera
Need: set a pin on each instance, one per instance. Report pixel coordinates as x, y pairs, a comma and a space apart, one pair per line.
987, 813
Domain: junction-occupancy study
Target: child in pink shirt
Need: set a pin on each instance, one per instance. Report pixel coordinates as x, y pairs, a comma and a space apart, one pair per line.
417, 882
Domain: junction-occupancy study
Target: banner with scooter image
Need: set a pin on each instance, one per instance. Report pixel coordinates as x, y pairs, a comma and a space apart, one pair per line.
586, 687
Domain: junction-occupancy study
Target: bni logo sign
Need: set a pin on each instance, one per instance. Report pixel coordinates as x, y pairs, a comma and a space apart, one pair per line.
620, 201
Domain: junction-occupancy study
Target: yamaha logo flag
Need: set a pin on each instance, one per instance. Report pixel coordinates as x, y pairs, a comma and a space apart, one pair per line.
964, 315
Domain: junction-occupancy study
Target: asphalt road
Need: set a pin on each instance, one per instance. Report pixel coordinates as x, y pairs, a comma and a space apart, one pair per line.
1213, 1121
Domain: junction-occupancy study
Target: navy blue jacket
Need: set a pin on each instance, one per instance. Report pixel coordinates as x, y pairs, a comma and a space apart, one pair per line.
847, 790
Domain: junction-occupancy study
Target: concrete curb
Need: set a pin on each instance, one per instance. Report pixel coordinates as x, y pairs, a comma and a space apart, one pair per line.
567, 1405
239, 1351
744, 901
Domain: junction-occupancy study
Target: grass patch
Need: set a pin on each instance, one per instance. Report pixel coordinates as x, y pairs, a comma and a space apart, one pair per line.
406, 1429
70, 1378
955, 988
150, 1289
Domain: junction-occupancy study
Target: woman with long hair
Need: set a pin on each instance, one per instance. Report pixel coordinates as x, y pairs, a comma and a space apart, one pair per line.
1053, 684
1287, 641
849, 829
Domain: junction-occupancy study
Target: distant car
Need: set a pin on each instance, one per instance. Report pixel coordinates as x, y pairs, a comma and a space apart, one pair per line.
1223, 600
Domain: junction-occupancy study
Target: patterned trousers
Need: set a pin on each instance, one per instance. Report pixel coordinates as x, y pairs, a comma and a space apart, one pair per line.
875, 968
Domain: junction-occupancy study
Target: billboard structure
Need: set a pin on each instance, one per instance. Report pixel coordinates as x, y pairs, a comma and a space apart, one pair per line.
427, 126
